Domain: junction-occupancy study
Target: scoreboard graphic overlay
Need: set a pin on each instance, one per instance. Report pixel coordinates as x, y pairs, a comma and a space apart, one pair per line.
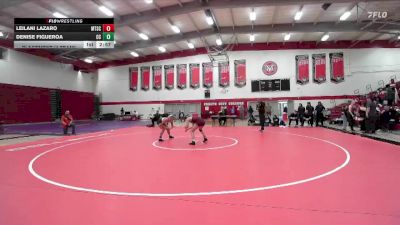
64, 33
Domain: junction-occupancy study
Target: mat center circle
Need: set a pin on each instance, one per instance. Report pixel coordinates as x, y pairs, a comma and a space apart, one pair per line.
181, 143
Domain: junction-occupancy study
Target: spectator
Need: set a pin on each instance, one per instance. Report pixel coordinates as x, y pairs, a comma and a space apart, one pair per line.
268, 109
67, 121
293, 117
250, 111
371, 116
319, 114
155, 118
122, 111
275, 121
222, 116
300, 113
181, 116
233, 111
310, 113
241, 112
135, 115
390, 94
349, 114
385, 118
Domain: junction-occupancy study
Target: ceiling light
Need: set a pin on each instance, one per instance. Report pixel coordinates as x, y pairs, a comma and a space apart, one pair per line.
88, 60
218, 41
106, 11
134, 54
287, 37
252, 37
209, 20
298, 15
1, 34
143, 36
253, 16
162, 49
325, 37
175, 29
398, 37
345, 16
190, 45
148, 1
59, 15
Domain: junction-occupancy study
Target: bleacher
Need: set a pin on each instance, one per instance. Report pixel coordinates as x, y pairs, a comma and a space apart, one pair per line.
336, 111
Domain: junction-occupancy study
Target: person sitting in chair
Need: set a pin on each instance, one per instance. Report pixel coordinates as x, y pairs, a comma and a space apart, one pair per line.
67, 121
222, 117
293, 117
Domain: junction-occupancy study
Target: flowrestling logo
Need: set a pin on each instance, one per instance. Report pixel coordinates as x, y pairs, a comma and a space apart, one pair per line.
269, 68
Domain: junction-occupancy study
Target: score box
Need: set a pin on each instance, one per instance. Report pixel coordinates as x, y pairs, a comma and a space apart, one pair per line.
108, 27
108, 36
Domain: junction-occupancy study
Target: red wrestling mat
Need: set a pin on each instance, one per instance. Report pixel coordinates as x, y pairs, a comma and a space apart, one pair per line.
241, 176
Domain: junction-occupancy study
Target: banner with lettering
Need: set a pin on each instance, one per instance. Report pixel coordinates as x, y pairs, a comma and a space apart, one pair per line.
169, 76
223, 70
302, 69
133, 78
319, 68
337, 67
207, 75
157, 77
145, 77
194, 75
240, 73
181, 72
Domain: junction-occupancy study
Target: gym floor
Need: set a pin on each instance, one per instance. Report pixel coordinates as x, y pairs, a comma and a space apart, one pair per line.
241, 176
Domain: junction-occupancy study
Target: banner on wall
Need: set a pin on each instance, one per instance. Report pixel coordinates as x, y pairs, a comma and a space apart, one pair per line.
223, 70
181, 72
302, 69
157, 77
169, 76
194, 75
145, 77
337, 67
207, 75
240, 73
319, 68
133, 78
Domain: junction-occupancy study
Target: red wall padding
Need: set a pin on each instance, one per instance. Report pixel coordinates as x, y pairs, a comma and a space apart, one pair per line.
21, 104
80, 104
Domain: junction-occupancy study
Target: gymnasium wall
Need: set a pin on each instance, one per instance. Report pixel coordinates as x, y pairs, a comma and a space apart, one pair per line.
362, 67
25, 83
28, 70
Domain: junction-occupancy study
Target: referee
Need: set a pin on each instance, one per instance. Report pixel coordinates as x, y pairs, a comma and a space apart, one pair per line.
261, 114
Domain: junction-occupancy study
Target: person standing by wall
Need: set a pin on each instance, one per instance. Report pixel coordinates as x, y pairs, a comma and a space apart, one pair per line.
349, 114
261, 114
371, 116
319, 114
310, 113
300, 113
268, 110
67, 121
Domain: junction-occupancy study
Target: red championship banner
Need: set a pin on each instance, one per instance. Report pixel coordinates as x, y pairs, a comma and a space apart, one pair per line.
223, 70
207, 75
133, 78
157, 77
181, 71
145, 77
337, 67
169, 76
240, 73
319, 68
194, 69
302, 71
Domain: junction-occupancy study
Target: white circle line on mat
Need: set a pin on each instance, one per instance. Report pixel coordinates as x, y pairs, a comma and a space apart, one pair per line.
223, 192
235, 141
